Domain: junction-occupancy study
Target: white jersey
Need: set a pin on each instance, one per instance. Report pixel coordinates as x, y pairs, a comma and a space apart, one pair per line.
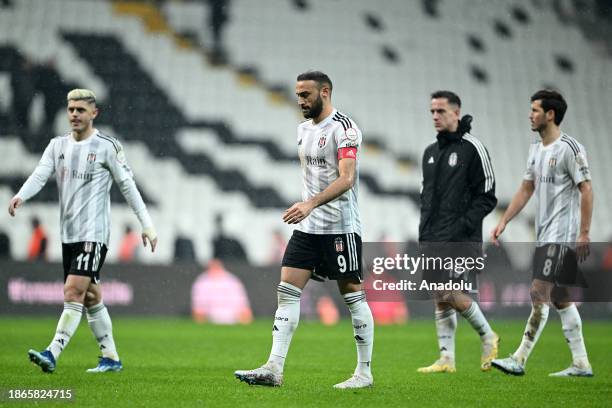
84, 172
318, 146
556, 171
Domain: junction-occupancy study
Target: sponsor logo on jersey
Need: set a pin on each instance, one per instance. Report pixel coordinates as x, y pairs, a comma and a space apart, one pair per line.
315, 161
78, 175
339, 244
452, 159
322, 141
547, 179
91, 157
61, 157
552, 162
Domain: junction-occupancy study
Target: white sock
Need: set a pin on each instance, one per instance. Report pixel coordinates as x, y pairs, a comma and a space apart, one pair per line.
286, 321
66, 326
102, 328
363, 329
474, 315
535, 325
572, 329
446, 325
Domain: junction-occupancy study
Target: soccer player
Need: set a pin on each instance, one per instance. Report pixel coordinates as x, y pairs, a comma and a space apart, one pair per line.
558, 173
458, 192
85, 162
327, 242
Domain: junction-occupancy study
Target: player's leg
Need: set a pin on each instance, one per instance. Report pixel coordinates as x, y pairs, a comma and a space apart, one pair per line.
446, 325
74, 295
286, 320
287, 316
540, 297
102, 329
571, 323
352, 291
470, 310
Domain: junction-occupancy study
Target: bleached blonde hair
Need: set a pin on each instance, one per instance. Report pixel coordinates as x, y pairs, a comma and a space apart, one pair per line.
82, 95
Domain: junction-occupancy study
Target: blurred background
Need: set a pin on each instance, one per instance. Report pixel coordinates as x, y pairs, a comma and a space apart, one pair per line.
201, 95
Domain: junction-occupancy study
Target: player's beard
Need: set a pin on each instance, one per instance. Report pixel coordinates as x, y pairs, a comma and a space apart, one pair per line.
539, 127
315, 110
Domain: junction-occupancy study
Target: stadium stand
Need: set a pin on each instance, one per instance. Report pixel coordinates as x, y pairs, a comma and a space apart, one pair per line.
203, 138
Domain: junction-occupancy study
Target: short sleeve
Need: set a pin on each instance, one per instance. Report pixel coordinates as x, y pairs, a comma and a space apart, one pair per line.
349, 137
117, 163
577, 165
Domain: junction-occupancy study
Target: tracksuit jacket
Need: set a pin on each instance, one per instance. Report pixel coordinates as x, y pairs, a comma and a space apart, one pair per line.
458, 188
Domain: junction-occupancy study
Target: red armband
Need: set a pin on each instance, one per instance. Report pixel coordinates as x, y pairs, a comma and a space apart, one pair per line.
347, 153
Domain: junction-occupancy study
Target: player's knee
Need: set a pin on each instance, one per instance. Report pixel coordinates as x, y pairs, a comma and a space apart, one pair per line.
74, 294
92, 298
559, 305
538, 295
444, 297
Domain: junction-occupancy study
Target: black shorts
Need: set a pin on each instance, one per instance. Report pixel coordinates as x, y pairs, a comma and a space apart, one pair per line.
331, 256
558, 264
84, 259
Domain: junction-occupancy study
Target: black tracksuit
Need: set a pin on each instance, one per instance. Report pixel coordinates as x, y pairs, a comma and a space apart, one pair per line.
458, 189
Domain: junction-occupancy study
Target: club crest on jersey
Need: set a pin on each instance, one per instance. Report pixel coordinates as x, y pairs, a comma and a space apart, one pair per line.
552, 162
322, 141
452, 159
550, 252
91, 157
339, 244
88, 247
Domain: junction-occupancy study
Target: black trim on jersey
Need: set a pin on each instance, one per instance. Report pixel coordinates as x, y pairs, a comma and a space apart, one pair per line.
343, 120
109, 139
571, 146
571, 143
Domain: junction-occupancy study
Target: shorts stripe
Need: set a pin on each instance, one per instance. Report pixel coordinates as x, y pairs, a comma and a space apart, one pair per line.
353, 253
349, 251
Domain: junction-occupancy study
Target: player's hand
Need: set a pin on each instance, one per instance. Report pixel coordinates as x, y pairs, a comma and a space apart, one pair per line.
14, 204
582, 247
297, 212
150, 235
497, 231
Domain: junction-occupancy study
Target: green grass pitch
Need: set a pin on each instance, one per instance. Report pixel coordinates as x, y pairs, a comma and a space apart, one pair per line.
175, 363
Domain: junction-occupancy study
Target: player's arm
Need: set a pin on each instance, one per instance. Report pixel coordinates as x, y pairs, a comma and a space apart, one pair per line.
36, 181
520, 199
482, 187
298, 211
578, 169
125, 181
586, 213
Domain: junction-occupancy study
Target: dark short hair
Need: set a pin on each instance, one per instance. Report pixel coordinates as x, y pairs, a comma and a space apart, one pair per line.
451, 97
319, 77
551, 100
